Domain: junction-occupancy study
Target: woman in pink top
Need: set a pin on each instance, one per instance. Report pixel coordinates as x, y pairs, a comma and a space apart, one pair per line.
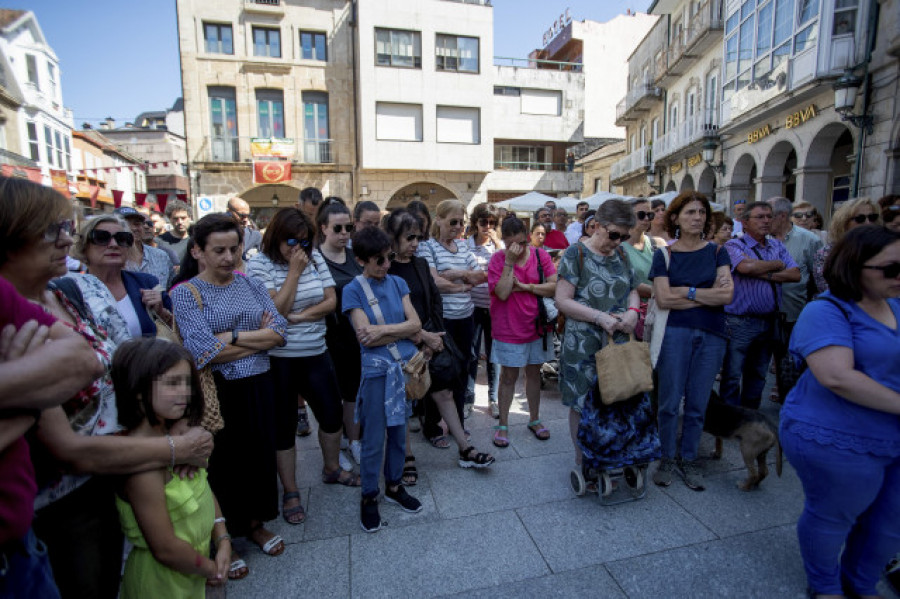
514, 281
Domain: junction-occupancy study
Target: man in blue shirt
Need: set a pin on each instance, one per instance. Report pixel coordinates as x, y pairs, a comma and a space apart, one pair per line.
758, 265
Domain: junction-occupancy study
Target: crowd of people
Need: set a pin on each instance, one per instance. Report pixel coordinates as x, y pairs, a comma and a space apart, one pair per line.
184, 357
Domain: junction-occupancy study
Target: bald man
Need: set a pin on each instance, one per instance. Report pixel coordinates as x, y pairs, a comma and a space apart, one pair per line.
240, 210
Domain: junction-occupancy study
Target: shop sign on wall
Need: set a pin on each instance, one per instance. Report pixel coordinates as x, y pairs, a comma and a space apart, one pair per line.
757, 134
675, 168
558, 25
694, 160
801, 116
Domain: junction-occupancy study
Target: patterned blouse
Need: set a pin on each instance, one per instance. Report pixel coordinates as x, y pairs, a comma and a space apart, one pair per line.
103, 307
819, 268
238, 305
155, 262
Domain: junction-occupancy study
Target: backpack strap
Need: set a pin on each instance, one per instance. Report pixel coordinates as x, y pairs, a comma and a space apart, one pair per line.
376, 310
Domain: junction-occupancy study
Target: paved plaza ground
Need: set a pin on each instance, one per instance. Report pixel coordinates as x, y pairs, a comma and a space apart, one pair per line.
517, 529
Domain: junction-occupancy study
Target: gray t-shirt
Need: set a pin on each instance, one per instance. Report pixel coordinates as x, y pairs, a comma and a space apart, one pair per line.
802, 245
305, 338
176, 244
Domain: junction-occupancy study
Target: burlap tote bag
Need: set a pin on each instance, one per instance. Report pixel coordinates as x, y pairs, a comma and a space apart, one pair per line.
623, 370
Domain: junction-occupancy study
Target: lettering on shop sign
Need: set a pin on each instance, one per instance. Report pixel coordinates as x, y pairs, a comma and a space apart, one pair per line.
757, 134
558, 25
800, 117
675, 168
695, 160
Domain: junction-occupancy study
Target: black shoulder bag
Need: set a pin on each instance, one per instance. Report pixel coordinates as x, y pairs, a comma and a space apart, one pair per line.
446, 367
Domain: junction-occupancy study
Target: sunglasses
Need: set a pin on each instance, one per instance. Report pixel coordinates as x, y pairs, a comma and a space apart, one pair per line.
304, 243
455, 222
890, 271
348, 228
486, 222
861, 218
641, 215
54, 231
809, 214
102, 238
616, 236
412, 236
890, 213
380, 260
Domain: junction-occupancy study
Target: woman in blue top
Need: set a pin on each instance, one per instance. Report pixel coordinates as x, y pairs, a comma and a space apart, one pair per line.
840, 425
692, 279
384, 348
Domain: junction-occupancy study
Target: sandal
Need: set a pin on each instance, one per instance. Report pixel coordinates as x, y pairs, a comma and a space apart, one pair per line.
410, 474
481, 460
289, 513
541, 433
439, 442
273, 547
339, 477
234, 570
499, 439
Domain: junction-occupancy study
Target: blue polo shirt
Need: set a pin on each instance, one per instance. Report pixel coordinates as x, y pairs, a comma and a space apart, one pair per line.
389, 292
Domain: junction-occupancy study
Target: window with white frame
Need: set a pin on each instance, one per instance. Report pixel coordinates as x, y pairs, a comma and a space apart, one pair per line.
760, 38
546, 102
68, 151
523, 158
33, 142
51, 78
48, 144
313, 45
270, 113
398, 122
598, 184
398, 48
654, 129
458, 124
844, 17
456, 53
267, 42
32, 70
218, 38
57, 136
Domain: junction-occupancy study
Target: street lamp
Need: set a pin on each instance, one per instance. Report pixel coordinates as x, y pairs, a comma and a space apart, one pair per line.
651, 179
845, 91
709, 154
275, 200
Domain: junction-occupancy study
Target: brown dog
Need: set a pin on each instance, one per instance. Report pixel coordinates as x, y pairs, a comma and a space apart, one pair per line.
755, 432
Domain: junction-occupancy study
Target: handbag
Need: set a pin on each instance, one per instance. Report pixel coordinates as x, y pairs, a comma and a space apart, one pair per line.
418, 378
212, 415
163, 330
655, 322
623, 370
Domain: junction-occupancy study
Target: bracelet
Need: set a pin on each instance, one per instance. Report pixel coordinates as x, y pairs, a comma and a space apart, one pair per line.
218, 520
234, 336
222, 538
171, 450
198, 560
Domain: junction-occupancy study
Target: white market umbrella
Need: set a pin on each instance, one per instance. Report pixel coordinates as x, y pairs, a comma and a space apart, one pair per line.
529, 202
594, 201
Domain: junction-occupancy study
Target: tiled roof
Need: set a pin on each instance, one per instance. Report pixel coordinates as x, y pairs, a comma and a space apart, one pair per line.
8, 15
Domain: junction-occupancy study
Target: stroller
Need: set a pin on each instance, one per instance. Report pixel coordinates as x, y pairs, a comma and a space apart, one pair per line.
618, 442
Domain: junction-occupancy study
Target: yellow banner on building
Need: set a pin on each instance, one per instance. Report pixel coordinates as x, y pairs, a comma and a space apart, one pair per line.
272, 147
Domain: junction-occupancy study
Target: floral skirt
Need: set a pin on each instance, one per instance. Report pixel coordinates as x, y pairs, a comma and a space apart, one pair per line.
622, 434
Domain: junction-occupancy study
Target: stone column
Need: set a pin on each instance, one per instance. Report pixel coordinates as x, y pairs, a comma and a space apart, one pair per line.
814, 186
770, 187
732, 193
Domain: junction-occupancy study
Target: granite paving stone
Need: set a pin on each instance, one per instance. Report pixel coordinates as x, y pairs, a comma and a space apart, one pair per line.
586, 582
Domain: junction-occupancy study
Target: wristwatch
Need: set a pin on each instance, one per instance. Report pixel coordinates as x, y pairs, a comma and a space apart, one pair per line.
234, 336
692, 293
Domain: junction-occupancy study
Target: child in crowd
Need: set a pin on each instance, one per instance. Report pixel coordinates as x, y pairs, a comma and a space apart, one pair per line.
170, 520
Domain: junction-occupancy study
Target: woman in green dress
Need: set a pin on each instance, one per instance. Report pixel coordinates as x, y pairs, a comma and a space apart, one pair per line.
169, 517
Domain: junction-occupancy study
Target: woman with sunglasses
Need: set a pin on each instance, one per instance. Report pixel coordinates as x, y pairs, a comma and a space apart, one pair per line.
75, 511
639, 248
484, 243
456, 272
839, 424
104, 246
404, 230
852, 213
691, 279
334, 227
300, 284
229, 322
804, 214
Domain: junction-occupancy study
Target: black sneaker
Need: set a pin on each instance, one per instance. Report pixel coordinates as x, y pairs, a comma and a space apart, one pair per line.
407, 502
369, 518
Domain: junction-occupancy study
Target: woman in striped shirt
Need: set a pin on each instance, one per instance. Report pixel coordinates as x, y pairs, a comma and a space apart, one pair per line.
455, 271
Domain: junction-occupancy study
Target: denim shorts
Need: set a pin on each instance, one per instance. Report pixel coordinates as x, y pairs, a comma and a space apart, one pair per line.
517, 355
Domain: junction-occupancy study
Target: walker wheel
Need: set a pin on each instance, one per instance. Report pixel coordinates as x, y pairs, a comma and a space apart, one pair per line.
606, 487
634, 477
576, 478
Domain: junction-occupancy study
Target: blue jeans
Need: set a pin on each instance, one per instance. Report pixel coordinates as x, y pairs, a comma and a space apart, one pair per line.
747, 357
688, 363
372, 445
25, 571
852, 500
482, 317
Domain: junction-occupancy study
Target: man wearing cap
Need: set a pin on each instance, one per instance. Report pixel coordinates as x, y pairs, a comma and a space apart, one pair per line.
144, 258
737, 212
179, 215
240, 210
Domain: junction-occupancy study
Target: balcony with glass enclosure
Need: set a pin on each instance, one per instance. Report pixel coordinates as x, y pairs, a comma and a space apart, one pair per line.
680, 138
691, 40
636, 163
642, 89
236, 150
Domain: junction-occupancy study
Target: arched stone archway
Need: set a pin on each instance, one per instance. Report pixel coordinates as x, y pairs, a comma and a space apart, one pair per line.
824, 176
706, 184
266, 200
687, 184
430, 193
743, 175
777, 178
670, 186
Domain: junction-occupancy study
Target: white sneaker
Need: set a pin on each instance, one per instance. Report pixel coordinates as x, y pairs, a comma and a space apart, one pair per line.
495, 410
345, 463
345, 442
355, 451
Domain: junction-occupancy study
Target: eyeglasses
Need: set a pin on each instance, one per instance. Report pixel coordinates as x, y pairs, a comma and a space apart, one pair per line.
348, 228
890, 271
55, 231
641, 215
304, 243
616, 236
809, 214
102, 238
380, 260
412, 236
861, 218
455, 222
890, 213
486, 222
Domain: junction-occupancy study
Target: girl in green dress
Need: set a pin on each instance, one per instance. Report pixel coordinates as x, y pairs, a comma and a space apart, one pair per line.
170, 517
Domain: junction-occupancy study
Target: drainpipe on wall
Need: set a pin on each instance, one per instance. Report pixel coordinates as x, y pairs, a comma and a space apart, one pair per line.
354, 171
871, 30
